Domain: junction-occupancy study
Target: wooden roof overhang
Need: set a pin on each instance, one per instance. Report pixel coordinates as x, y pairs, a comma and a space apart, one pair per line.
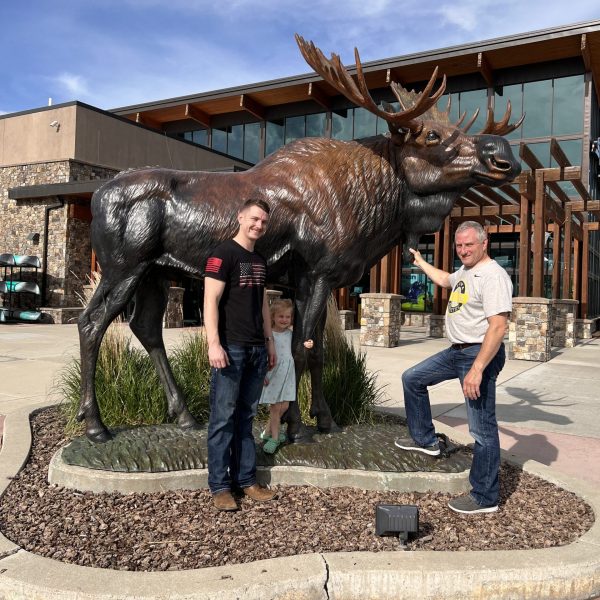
575, 41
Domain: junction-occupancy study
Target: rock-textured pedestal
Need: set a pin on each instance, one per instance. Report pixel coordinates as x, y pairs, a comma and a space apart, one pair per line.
563, 323
380, 320
347, 319
174, 314
530, 329
436, 326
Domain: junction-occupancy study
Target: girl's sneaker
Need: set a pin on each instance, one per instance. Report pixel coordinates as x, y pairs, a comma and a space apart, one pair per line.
270, 446
265, 436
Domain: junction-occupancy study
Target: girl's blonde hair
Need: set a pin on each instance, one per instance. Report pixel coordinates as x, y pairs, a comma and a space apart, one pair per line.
279, 305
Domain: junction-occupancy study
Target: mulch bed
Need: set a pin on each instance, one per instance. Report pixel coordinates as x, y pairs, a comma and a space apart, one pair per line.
181, 530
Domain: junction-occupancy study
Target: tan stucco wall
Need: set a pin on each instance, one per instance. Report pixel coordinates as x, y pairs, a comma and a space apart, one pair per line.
97, 138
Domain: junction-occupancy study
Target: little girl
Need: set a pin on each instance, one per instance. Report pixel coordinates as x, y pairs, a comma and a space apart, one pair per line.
280, 383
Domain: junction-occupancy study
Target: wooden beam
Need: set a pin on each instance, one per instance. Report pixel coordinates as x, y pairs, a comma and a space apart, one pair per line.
374, 278
447, 257
514, 228
484, 68
485, 211
385, 274
144, 119
577, 272
556, 252
437, 263
191, 112
539, 230
253, 107
568, 253
589, 63
317, 94
524, 241
585, 255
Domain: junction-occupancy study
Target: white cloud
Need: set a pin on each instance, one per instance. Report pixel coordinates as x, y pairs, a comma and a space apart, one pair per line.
74, 86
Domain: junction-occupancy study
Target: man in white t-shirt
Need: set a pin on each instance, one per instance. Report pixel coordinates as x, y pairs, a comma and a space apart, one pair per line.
476, 317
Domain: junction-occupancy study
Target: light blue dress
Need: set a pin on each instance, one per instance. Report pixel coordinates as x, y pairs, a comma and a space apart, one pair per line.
282, 379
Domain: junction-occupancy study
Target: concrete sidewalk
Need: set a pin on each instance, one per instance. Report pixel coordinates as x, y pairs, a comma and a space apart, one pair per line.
547, 412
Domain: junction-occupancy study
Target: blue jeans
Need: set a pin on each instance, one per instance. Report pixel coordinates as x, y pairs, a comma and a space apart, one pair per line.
455, 363
234, 394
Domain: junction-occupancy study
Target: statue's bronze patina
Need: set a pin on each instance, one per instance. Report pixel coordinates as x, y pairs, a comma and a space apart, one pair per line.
337, 207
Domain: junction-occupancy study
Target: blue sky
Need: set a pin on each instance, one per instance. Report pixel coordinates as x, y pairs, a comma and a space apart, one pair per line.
114, 53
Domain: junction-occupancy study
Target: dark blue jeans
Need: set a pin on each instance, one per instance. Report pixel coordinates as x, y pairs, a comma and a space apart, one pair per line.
234, 394
454, 363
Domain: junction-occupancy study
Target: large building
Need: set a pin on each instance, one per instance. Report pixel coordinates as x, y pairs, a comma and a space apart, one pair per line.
544, 227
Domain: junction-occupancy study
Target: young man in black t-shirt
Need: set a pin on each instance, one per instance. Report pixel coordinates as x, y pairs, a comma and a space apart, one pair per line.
240, 350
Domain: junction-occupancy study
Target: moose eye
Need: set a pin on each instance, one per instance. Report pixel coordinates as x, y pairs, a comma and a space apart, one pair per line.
432, 138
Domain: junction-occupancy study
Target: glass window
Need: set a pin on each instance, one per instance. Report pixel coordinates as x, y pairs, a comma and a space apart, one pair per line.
274, 136
365, 123
341, 124
542, 152
294, 128
568, 106
235, 139
251, 142
219, 139
537, 104
200, 137
573, 151
514, 93
469, 103
316, 125
382, 124
188, 136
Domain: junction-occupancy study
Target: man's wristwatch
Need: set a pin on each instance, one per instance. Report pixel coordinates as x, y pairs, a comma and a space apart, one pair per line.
268, 339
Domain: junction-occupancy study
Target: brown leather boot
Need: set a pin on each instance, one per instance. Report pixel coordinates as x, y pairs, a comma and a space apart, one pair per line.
225, 501
258, 493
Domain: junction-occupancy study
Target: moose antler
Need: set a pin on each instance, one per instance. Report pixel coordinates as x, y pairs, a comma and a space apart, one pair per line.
501, 127
334, 73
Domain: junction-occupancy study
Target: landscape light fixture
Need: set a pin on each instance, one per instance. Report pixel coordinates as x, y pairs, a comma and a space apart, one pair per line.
396, 519
34, 238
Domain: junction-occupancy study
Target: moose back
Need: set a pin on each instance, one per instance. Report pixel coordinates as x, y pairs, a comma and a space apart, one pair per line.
337, 207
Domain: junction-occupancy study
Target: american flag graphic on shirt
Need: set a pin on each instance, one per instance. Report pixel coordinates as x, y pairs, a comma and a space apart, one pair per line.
252, 274
213, 265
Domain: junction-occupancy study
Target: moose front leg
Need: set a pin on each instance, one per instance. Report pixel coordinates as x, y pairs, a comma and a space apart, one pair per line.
151, 300
311, 308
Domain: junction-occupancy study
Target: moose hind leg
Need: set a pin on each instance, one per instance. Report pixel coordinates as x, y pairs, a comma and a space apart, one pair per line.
108, 301
146, 323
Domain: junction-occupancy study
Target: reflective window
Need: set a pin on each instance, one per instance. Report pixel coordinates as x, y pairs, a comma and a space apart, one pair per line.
219, 139
365, 123
537, 104
542, 152
200, 137
514, 93
274, 136
316, 125
235, 141
252, 142
573, 151
294, 128
341, 124
568, 106
469, 102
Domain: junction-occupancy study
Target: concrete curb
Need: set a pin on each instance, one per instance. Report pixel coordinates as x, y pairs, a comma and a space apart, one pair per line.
570, 572
84, 479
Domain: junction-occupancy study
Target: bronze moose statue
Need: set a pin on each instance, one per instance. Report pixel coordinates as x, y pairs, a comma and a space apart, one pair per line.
337, 207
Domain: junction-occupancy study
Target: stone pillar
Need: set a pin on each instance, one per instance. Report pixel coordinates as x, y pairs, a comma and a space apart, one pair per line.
436, 327
347, 319
530, 329
380, 320
563, 323
174, 314
273, 295
584, 328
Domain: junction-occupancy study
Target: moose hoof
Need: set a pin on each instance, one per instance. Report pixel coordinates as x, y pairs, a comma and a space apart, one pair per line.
300, 435
99, 435
331, 428
187, 421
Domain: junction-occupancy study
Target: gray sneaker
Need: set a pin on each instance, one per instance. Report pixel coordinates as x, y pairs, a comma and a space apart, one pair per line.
467, 505
408, 443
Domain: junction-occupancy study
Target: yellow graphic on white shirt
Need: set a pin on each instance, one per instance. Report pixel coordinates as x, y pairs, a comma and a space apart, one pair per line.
458, 298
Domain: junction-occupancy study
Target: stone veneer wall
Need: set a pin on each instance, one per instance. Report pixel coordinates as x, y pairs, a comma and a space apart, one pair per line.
437, 326
174, 313
346, 319
381, 320
415, 319
563, 323
69, 252
530, 329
